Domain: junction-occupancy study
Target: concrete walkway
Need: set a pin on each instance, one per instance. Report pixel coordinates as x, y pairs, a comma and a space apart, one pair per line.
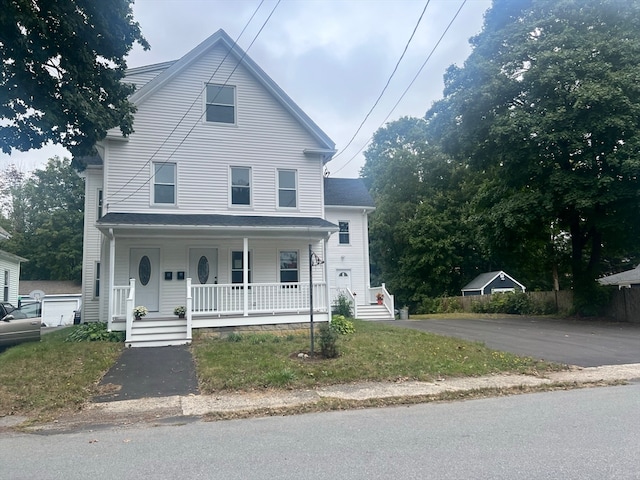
197, 405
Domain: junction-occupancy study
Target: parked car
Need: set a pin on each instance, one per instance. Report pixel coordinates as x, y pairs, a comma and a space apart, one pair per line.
31, 309
16, 327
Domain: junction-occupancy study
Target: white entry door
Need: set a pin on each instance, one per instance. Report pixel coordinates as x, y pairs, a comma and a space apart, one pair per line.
203, 266
343, 280
144, 267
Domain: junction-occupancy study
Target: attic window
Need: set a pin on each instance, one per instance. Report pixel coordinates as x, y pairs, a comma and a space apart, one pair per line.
221, 104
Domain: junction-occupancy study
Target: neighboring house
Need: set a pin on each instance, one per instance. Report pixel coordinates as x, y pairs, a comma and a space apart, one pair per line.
213, 203
9, 272
59, 299
627, 279
492, 282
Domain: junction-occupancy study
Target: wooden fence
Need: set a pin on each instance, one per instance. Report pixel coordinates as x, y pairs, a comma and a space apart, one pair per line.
625, 305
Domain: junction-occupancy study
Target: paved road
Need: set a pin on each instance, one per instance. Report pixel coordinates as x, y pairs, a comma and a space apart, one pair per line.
583, 343
577, 434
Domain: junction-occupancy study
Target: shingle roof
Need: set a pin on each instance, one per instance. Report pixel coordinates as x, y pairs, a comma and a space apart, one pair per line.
213, 220
623, 278
346, 192
485, 279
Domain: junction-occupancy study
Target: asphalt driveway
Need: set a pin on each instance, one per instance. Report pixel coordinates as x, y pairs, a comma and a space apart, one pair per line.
575, 342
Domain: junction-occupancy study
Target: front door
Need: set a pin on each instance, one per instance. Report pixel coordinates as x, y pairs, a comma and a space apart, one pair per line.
343, 280
144, 268
203, 266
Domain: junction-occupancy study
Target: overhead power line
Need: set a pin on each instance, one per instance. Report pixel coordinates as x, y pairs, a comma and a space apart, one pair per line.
387, 84
409, 86
196, 100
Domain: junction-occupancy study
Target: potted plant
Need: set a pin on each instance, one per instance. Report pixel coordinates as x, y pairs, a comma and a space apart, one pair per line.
379, 297
180, 311
140, 311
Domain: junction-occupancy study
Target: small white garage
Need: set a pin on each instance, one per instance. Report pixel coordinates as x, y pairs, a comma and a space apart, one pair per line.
60, 300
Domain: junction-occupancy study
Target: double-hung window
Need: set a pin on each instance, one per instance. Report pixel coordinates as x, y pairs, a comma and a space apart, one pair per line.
287, 189
221, 104
237, 267
100, 203
343, 236
96, 281
5, 290
240, 186
164, 183
289, 266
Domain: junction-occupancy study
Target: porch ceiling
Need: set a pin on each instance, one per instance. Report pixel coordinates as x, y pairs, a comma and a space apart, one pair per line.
215, 225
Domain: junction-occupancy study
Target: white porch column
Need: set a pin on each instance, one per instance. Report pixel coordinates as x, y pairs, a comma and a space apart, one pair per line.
245, 274
112, 273
327, 292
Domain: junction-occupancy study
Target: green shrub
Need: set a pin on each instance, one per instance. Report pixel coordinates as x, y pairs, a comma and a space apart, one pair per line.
328, 339
439, 305
341, 325
342, 306
94, 332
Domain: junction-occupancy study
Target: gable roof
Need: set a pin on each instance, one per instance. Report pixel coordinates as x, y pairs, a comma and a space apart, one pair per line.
346, 192
11, 257
221, 38
484, 279
621, 279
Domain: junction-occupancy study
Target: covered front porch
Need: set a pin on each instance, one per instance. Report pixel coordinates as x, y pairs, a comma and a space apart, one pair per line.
215, 305
228, 272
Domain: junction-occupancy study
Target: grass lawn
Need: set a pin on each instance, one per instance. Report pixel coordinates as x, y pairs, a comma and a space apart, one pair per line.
46, 378
376, 352
42, 380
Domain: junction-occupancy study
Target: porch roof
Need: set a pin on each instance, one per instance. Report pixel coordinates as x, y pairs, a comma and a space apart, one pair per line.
231, 225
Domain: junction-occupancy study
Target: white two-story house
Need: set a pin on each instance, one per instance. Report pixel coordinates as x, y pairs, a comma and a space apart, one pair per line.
216, 203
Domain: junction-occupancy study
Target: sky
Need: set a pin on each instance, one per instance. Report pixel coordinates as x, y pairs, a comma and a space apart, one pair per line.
332, 57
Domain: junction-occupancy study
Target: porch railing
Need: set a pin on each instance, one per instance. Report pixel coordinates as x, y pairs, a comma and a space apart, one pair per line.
387, 299
350, 296
261, 298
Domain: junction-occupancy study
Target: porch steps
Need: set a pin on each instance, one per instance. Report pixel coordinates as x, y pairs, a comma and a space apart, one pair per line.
374, 312
160, 332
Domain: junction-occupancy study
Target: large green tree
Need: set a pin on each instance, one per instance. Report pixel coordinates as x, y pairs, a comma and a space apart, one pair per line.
547, 106
422, 242
46, 221
61, 71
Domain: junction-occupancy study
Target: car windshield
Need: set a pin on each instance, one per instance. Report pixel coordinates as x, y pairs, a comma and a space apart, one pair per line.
11, 310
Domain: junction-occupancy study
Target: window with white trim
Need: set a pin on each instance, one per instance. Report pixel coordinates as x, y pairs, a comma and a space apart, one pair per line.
164, 183
289, 266
5, 290
343, 235
100, 203
287, 189
237, 267
241, 186
220, 104
96, 280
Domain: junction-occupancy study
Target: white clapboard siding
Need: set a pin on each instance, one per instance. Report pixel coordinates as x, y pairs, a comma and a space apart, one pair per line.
355, 254
91, 245
266, 137
9, 263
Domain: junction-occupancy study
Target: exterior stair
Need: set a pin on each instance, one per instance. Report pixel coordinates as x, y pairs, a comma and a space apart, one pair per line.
374, 312
158, 332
